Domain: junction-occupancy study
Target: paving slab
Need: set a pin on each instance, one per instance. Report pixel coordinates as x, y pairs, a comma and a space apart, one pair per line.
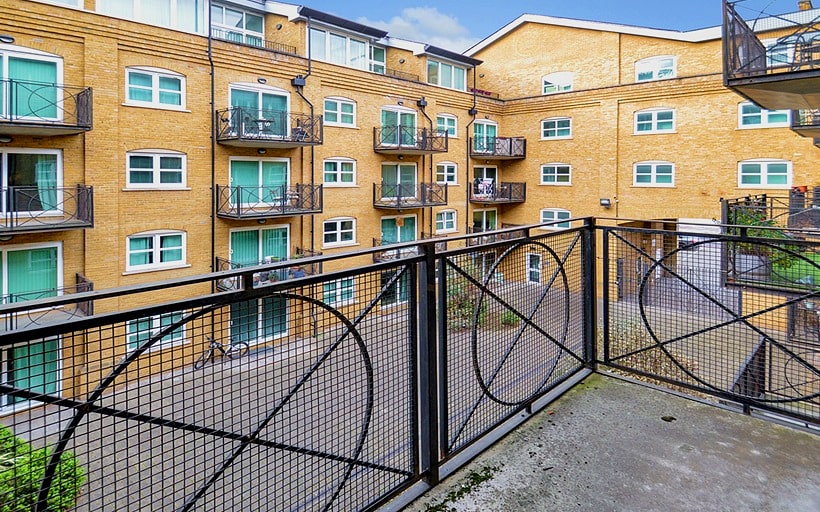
612, 445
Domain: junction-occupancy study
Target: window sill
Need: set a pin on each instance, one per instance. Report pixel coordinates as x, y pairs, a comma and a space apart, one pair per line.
557, 138
651, 185
336, 185
155, 107
339, 125
664, 132
764, 126
156, 189
447, 231
154, 269
556, 184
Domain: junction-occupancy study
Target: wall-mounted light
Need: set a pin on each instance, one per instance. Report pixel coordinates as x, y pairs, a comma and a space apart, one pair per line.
481, 75
400, 102
262, 80
278, 26
605, 202
486, 116
401, 157
402, 61
262, 221
7, 39
5, 138
261, 151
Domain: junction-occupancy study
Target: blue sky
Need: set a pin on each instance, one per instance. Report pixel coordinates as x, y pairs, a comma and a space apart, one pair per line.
456, 25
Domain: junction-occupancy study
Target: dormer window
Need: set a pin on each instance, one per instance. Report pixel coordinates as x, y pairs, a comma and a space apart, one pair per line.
237, 26
446, 75
346, 50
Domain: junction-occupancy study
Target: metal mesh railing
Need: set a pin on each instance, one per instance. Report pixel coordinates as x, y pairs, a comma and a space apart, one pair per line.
690, 316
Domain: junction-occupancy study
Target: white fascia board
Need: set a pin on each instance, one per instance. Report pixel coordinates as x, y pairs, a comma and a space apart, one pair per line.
282, 9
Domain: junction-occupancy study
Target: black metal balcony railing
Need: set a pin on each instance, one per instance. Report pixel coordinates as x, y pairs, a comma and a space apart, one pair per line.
266, 202
498, 148
373, 382
251, 40
417, 195
266, 277
239, 126
506, 232
408, 140
36, 108
782, 75
489, 191
806, 122
29, 209
47, 315
393, 253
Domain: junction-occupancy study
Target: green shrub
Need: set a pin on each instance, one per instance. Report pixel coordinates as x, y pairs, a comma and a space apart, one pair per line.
21, 470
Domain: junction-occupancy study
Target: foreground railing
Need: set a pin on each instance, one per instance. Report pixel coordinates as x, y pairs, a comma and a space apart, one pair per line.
375, 380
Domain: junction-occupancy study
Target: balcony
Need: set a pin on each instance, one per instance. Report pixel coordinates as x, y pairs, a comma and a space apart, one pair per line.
499, 148
487, 191
403, 196
275, 270
485, 236
41, 209
371, 384
244, 127
408, 140
806, 122
785, 75
404, 250
47, 315
252, 41
267, 202
34, 108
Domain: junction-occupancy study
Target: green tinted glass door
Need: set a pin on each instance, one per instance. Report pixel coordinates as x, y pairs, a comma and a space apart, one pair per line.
274, 113
32, 274
245, 182
34, 366
34, 90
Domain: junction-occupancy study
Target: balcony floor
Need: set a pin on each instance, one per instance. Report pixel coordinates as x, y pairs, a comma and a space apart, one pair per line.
604, 445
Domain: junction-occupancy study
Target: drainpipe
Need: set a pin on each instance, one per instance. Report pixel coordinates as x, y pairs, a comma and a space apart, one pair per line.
213, 151
422, 104
299, 83
473, 112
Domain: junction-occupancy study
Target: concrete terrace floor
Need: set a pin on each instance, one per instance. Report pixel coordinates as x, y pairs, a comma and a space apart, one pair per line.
610, 445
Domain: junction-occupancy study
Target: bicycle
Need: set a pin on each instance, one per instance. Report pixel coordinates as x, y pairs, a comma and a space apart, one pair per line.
232, 351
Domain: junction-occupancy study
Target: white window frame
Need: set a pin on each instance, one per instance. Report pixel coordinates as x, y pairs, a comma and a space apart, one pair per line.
556, 166
451, 131
653, 164
528, 259
5, 207
138, 13
156, 251
337, 221
156, 74
338, 161
557, 82
557, 214
438, 63
764, 115
339, 101
550, 129
339, 287
243, 31
176, 337
654, 121
453, 214
368, 64
21, 52
450, 173
156, 155
764, 174
654, 66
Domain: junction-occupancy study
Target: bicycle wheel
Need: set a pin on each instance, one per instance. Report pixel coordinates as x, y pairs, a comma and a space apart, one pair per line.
237, 349
203, 359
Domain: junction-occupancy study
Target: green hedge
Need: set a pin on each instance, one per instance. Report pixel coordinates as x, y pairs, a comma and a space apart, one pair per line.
21, 470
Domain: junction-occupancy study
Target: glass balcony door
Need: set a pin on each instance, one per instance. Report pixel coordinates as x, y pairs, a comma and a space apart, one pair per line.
399, 181
398, 128
258, 182
261, 113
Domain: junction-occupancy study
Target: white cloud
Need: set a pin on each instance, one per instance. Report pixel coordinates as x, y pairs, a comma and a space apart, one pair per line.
426, 25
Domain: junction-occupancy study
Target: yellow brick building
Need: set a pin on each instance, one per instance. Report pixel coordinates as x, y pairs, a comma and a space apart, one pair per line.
141, 144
